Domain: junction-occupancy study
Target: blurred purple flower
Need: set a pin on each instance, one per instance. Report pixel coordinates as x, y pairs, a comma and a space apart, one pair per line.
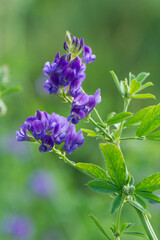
42, 183
8, 144
17, 226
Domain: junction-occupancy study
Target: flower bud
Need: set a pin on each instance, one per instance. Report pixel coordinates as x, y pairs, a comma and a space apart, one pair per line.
81, 44
73, 40
68, 37
65, 46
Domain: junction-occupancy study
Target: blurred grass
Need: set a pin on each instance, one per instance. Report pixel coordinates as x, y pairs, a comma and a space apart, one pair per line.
125, 37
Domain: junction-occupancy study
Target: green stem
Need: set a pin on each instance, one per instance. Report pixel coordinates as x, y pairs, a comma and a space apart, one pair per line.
131, 138
71, 163
126, 104
118, 217
99, 117
100, 128
147, 225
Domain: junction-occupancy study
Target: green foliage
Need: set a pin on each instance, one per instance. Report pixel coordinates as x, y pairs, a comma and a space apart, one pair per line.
94, 170
143, 96
119, 118
150, 184
142, 76
116, 80
140, 201
139, 207
116, 166
150, 122
4, 90
138, 234
154, 136
103, 186
125, 226
90, 133
99, 225
115, 204
150, 196
138, 117
134, 87
10, 90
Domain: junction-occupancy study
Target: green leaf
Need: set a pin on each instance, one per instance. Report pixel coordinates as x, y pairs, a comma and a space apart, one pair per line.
143, 96
149, 184
10, 90
154, 136
150, 122
135, 86
125, 226
110, 115
103, 186
119, 118
131, 181
140, 201
90, 132
99, 225
115, 204
95, 170
136, 234
116, 80
138, 117
142, 76
115, 163
149, 196
131, 77
148, 84
139, 207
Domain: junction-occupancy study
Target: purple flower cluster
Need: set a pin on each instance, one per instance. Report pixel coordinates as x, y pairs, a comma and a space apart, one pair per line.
67, 73
49, 130
65, 76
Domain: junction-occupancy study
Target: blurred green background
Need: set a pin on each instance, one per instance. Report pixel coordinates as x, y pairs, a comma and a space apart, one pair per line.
125, 36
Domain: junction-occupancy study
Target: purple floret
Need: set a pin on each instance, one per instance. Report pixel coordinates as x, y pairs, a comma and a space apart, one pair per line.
47, 144
88, 57
52, 84
22, 136
73, 140
82, 105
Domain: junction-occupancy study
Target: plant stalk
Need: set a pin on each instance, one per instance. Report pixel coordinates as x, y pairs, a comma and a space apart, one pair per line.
100, 128
118, 217
147, 225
